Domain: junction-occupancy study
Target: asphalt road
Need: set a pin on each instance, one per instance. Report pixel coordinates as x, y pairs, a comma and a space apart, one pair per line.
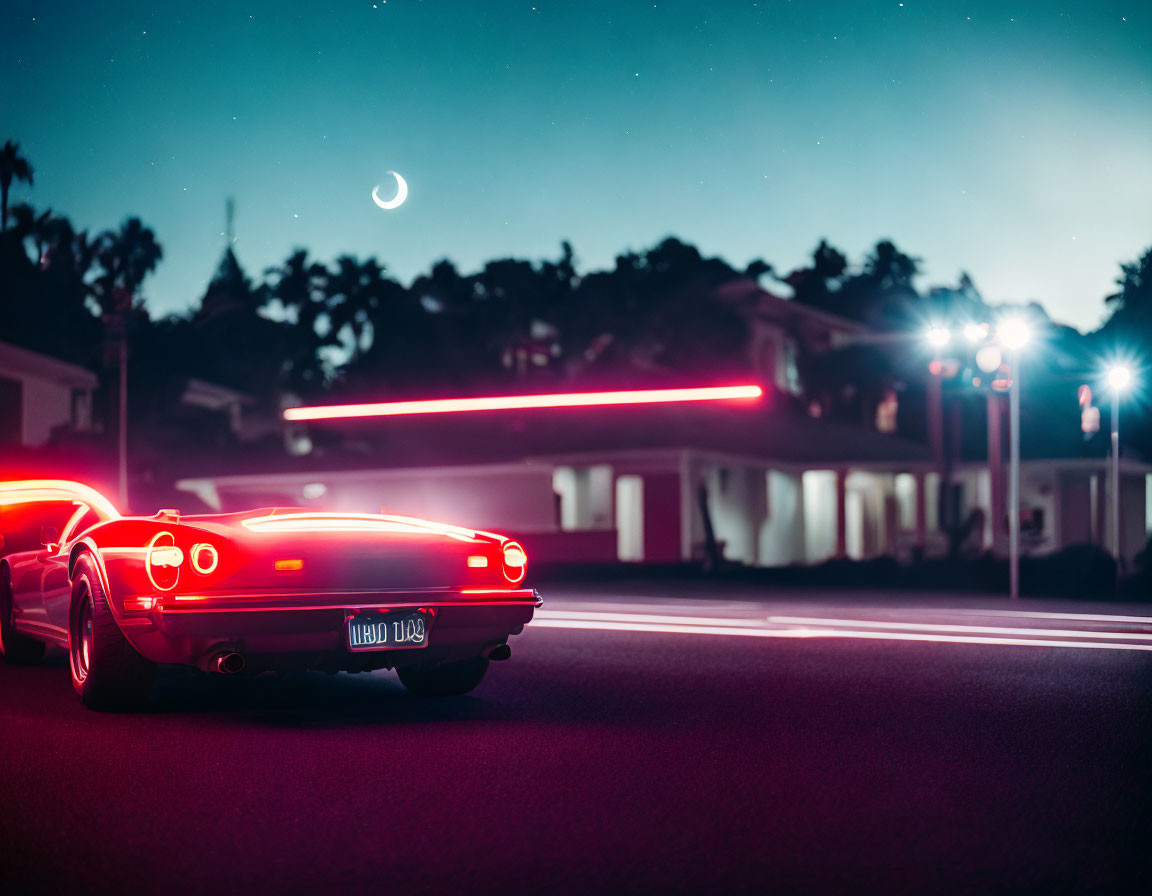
732, 749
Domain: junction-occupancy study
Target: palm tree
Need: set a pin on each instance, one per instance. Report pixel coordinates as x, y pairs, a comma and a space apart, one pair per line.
300, 285
125, 258
12, 166
355, 291
42, 229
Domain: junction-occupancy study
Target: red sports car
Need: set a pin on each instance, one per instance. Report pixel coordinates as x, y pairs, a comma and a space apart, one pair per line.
277, 588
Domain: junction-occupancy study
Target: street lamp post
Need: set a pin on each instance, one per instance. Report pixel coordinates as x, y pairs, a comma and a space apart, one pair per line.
1116, 478
1013, 335
1014, 479
938, 337
1119, 377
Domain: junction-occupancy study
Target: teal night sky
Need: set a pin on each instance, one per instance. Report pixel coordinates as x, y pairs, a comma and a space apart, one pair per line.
1010, 139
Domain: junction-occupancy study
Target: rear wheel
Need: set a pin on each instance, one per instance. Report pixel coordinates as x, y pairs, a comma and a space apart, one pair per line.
445, 680
18, 650
107, 672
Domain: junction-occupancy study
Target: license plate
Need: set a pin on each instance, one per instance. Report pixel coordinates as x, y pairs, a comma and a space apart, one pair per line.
387, 631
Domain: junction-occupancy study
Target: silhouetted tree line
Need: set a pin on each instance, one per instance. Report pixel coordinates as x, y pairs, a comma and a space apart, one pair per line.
349, 326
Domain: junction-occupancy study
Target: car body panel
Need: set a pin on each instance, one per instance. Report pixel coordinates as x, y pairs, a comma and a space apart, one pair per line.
276, 584
27, 593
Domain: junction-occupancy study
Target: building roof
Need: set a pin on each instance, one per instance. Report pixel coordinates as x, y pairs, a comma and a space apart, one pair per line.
200, 393
749, 294
16, 360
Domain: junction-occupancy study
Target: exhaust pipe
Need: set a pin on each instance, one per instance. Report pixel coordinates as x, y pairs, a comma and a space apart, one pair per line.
229, 663
501, 653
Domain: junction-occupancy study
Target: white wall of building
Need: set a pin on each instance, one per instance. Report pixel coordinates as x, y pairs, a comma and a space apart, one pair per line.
52, 393
867, 502
47, 404
630, 518
781, 537
737, 503
819, 490
586, 496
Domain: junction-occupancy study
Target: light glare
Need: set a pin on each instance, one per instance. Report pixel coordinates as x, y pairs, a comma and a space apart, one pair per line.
974, 332
1014, 333
1119, 377
519, 402
938, 336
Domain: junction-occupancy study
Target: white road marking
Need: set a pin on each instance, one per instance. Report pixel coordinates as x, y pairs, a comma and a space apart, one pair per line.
939, 627
607, 625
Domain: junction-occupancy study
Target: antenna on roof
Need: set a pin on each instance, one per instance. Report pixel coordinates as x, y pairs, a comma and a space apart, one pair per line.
229, 216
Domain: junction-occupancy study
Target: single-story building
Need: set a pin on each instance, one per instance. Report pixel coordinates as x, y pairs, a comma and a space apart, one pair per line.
40, 394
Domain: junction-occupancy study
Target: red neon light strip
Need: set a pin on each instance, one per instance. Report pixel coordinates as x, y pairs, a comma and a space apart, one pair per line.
517, 402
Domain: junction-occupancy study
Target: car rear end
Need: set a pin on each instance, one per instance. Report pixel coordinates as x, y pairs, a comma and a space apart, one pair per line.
322, 591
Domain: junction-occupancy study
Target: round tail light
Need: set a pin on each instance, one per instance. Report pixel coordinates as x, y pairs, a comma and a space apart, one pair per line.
205, 559
162, 561
515, 562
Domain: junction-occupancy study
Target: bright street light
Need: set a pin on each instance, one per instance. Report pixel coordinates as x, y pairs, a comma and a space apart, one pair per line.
938, 336
975, 332
1119, 377
1014, 333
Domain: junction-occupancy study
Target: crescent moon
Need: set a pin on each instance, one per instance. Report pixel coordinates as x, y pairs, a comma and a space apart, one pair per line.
397, 200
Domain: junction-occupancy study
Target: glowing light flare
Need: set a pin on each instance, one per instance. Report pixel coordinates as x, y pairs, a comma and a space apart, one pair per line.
1014, 333
975, 332
989, 358
526, 402
507, 592
354, 522
1119, 377
28, 491
937, 335
477, 561
289, 565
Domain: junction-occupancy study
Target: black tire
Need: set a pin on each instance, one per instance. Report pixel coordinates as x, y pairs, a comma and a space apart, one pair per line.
107, 672
18, 649
445, 680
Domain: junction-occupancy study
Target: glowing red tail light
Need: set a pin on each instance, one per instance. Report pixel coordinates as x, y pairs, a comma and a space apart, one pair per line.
515, 562
477, 561
204, 558
162, 561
